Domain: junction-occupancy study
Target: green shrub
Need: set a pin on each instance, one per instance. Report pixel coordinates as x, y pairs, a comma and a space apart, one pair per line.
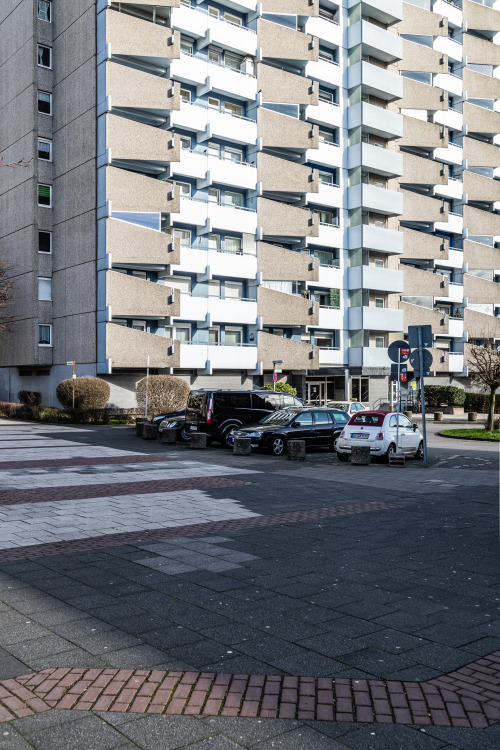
444, 395
479, 402
166, 393
90, 393
280, 388
30, 398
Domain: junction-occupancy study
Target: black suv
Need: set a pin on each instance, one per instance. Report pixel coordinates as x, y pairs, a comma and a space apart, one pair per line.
218, 412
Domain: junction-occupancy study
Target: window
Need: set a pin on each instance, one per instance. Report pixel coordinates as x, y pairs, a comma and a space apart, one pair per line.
182, 283
44, 103
183, 334
340, 418
360, 390
187, 45
214, 195
214, 288
45, 10
213, 103
305, 419
139, 325
379, 302
233, 199
325, 178
233, 400
215, 55
327, 95
290, 401
214, 241
322, 417
213, 12
236, 110
327, 55
232, 245
44, 242
378, 263
45, 195
328, 136
233, 289
233, 154
185, 96
183, 187
232, 19
184, 235
44, 289
44, 335
234, 62
233, 337
185, 143
380, 342
214, 150
213, 335
44, 56
44, 149
327, 218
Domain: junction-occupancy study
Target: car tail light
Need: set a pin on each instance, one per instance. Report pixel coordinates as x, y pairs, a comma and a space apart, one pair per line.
210, 409
380, 436
342, 434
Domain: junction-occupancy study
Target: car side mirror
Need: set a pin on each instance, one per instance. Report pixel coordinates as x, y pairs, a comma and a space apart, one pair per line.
296, 424
415, 427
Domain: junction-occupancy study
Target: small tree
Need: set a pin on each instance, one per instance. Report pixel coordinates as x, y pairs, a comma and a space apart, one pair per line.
484, 363
280, 388
166, 393
90, 393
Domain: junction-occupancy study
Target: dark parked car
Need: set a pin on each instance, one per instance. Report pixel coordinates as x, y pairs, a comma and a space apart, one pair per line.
175, 419
317, 426
219, 412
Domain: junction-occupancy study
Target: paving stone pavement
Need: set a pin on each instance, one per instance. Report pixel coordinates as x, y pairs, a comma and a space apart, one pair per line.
332, 607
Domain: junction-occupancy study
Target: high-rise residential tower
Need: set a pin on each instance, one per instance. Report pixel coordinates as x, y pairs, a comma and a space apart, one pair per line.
222, 186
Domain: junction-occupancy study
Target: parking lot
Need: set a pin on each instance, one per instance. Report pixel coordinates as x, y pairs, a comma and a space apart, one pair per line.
253, 602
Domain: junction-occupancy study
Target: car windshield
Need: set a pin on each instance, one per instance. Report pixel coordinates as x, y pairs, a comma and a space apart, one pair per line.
340, 405
279, 417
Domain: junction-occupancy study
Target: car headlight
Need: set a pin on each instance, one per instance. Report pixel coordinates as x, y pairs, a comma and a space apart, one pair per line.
254, 435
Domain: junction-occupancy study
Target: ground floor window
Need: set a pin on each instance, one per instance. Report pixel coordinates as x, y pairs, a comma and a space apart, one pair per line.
360, 389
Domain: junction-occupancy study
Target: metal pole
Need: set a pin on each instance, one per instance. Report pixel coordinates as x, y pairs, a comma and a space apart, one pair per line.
147, 387
74, 378
398, 401
422, 392
274, 381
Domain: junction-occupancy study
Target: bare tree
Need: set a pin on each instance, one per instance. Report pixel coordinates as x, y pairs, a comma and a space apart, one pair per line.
484, 364
19, 163
5, 286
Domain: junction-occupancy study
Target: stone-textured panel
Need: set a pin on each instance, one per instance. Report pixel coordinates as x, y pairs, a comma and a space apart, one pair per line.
296, 355
133, 297
480, 291
481, 120
481, 222
479, 326
422, 134
480, 17
283, 87
416, 57
419, 245
280, 174
418, 95
419, 171
480, 154
480, 256
129, 348
280, 42
426, 22
129, 243
419, 207
74, 290
280, 131
128, 191
417, 315
128, 87
480, 51
278, 308
134, 140
479, 86
74, 338
291, 266
479, 188
75, 46
281, 219
295, 7
129, 35
418, 282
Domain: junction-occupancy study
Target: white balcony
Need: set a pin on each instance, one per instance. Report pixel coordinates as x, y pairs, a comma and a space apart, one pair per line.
448, 82
454, 225
368, 356
375, 159
230, 265
375, 81
376, 42
196, 23
327, 155
449, 46
325, 72
371, 237
456, 328
453, 189
218, 310
329, 236
329, 277
449, 11
218, 124
331, 357
206, 356
449, 118
375, 120
455, 362
375, 319
331, 319
189, 69
328, 196
372, 198
224, 80
324, 114
379, 279
227, 172
220, 217
455, 293
325, 30
450, 155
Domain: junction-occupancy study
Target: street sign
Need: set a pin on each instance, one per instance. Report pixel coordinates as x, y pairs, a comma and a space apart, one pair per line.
402, 376
70, 364
275, 377
399, 351
413, 336
426, 360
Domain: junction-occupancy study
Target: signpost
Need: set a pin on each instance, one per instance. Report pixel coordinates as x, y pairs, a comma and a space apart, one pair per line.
147, 387
73, 365
398, 352
275, 374
420, 336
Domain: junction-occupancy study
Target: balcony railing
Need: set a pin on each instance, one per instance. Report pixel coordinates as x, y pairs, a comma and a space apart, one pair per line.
217, 203
218, 64
187, 4
206, 152
205, 105
217, 250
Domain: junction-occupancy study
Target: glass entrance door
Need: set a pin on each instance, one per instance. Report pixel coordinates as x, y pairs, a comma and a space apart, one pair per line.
316, 393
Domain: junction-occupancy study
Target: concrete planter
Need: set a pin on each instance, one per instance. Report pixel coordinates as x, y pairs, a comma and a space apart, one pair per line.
438, 416
198, 441
149, 431
296, 450
242, 446
360, 455
168, 436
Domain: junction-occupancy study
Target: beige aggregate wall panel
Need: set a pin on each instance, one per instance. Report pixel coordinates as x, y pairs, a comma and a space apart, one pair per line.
296, 355
479, 86
423, 246
133, 297
74, 290
417, 20
130, 243
129, 87
76, 45
294, 7
418, 95
478, 325
479, 154
481, 222
282, 219
19, 252
280, 131
419, 171
480, 50
481, 120
287, 264
278, 308
133, 36
419, 207
129, 348
480, 17
134, 140
281, 42
480, 256
19, 346
128, 191
416, 57
479, 188
422, 134
281, 87
74, 240
23, 296
279, 174
423, 283
417, 315
481, 291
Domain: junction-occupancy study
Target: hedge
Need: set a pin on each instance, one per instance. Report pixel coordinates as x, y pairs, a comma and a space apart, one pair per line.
90, 393
444, 395
30, 398
479, 402
280, 388
166, 393
66, 416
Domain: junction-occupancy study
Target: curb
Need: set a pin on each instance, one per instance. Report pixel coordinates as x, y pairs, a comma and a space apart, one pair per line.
479, 440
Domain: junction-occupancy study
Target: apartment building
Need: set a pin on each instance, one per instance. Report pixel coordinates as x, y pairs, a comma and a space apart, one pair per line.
221, 188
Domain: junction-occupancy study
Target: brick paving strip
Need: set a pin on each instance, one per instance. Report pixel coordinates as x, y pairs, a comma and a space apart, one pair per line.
467, 697
198, 529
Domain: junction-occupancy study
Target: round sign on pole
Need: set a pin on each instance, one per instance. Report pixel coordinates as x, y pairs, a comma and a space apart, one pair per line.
426, 359
399, 351
275, 377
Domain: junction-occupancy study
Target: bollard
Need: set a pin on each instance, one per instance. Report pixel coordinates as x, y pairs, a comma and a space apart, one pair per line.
139, 427
472, 416
408, 414
198, 440
168, 435
149, 431
360, 455
242, 446
496, 423
296, 450
438, 416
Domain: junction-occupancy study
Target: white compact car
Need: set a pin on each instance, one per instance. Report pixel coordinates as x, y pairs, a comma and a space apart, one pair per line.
377, 429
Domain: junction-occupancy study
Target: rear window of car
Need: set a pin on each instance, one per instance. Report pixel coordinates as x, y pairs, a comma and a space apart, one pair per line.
197, 400
267, 401
368, 419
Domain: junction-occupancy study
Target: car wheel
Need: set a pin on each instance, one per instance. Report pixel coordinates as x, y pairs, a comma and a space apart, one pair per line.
184, 435
278, 446
390, 451
420, 451
343, 456
226, 441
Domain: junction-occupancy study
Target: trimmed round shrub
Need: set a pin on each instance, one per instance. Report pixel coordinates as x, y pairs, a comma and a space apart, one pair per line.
30, 398
90, 393
166, 393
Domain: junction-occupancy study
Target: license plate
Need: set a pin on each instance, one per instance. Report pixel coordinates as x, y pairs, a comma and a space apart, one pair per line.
193, 428
362, 435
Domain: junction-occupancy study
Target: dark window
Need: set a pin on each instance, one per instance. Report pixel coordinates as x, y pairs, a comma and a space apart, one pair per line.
45, 10
305, 419
267, 400
44, 56
322, 417
368, 419
45, 102
291, 401
44, 242
44, 195
232, 400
